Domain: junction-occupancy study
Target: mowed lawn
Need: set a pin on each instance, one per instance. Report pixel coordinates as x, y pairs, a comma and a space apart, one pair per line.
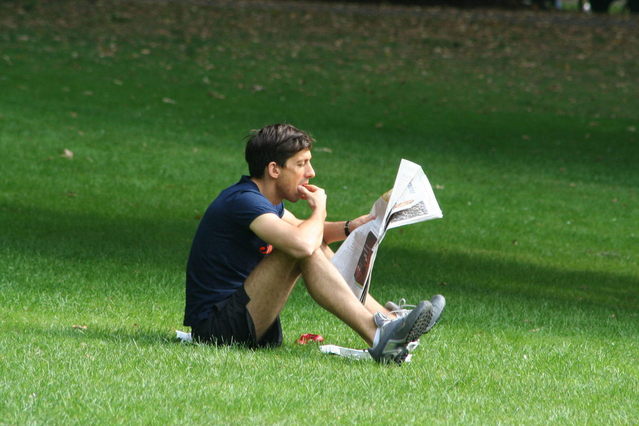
120, 121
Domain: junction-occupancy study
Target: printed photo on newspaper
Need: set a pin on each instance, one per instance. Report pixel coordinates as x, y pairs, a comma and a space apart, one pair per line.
410, 201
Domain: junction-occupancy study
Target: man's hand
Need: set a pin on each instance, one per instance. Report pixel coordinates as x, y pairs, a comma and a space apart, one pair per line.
314, 196
362, 220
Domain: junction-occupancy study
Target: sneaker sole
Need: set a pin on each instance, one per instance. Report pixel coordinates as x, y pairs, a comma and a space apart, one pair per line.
419, 328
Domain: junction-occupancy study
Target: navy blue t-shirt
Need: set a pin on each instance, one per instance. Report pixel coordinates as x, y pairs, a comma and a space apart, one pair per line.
224, 249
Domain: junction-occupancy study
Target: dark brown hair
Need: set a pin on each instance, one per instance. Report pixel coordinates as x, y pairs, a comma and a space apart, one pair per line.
277, 142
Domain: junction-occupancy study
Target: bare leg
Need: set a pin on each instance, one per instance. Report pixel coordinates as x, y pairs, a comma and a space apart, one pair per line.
268, 286
328, 288
373, 306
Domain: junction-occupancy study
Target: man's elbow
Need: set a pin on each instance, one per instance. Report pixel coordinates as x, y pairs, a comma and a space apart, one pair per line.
304, 249
304, 252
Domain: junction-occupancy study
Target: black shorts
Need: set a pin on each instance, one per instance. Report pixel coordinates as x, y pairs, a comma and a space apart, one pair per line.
230, 323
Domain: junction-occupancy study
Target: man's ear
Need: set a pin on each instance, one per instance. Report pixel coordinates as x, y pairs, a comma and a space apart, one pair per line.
273, 169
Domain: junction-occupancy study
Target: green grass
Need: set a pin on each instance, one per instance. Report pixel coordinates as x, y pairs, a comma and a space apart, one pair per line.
526, 126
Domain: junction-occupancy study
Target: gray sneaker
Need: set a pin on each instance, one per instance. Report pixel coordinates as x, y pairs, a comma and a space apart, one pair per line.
393, 338
399, 309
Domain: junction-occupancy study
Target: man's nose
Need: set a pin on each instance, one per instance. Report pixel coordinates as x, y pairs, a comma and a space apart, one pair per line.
310, 173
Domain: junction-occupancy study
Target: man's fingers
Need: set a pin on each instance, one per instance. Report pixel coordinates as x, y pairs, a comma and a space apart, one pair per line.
304, 192
367, 218
362, 220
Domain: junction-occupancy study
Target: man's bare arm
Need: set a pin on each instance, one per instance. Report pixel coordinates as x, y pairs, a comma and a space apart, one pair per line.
298, 238
335, 231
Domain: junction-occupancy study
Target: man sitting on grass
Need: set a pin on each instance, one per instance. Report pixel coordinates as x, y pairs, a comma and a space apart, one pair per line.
249, 251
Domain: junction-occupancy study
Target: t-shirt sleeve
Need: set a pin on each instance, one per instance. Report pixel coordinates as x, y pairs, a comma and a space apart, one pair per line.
246, 206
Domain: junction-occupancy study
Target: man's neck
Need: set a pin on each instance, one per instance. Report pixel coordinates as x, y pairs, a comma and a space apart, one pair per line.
268, 190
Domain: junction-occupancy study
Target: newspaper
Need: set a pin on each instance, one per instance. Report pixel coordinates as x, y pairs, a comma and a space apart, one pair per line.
360, 354
410, 201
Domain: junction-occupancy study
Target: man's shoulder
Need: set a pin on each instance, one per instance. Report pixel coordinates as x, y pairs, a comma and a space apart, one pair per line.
244, 185
242, 192
244, 197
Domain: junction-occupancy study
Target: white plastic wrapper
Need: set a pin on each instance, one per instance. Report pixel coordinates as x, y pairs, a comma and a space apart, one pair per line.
183, 336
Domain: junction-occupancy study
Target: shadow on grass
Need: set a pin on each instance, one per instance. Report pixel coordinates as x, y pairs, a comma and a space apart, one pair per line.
164, 245
516, 142
90, 237
140, 336
506, 279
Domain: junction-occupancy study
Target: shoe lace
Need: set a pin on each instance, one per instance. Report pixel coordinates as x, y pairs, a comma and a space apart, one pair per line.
403, 308
403, 305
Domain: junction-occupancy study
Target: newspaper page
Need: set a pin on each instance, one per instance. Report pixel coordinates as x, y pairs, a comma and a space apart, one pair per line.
410, 201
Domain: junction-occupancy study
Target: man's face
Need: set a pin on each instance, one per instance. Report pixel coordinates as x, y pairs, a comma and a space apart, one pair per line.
296, 171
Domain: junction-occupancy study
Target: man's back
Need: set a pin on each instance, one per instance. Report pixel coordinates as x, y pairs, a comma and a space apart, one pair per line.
224, 249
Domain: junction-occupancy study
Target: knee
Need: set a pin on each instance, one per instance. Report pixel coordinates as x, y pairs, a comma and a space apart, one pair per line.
321, 254
281, 256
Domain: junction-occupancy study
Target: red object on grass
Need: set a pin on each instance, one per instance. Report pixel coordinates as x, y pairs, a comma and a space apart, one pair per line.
309, 337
